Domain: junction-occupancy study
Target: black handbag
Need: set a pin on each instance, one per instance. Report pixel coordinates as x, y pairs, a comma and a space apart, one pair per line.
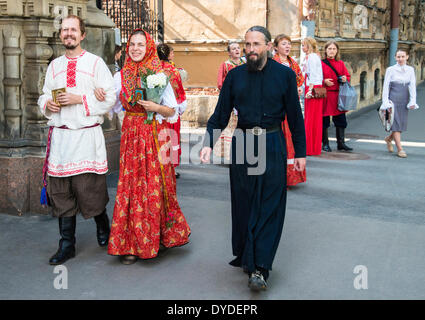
326, 61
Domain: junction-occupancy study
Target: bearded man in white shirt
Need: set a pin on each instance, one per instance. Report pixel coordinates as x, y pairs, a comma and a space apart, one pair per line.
76, 161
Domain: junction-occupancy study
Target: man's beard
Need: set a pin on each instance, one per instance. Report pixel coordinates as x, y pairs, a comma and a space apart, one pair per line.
70, 46
255, 65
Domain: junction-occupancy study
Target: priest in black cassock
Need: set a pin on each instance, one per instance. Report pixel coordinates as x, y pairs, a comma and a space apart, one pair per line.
263, 92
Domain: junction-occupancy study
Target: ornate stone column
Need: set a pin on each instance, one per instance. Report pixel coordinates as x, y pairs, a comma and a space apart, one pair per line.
37, 53
12, 83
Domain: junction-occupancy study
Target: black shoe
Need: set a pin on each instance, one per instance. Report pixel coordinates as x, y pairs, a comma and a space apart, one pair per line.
177, 175
162, 248
257, 282
128, 259
325, 141
340, 139
67, 242
103, 229
326, 148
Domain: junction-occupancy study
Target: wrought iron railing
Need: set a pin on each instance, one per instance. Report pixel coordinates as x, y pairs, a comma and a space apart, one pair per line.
132, 14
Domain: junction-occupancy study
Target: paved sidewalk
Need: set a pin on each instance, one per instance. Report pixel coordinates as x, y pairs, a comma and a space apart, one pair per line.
366, 212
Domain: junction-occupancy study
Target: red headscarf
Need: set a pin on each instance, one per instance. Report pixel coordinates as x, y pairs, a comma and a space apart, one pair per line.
131, 70
294, 66
175, 80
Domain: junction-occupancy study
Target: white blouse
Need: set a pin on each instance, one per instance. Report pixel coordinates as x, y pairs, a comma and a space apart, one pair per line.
168, 99
312, 69
404, 75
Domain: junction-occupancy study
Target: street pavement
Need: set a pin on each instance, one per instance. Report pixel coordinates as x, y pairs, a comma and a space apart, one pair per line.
355, 230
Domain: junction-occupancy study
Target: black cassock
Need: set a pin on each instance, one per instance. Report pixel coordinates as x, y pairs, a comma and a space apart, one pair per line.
262, 98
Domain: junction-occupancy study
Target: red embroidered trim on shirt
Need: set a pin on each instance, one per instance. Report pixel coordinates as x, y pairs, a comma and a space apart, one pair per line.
86, 106
70, 74
71, 71
81, 164
75, 172
73, 168
92, 74
81, 54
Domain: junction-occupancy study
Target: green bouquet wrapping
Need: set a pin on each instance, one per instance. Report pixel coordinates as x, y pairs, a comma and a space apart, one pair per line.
154, 84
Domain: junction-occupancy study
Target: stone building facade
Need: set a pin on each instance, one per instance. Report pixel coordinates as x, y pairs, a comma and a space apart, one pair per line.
199, 30
28, 42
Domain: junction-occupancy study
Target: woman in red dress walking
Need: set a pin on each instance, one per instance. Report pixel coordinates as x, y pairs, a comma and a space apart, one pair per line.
164, 52
331, 82
146, 212
313, 107
283, 46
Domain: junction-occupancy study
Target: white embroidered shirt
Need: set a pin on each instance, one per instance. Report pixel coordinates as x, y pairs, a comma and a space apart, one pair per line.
78, 149
312, 68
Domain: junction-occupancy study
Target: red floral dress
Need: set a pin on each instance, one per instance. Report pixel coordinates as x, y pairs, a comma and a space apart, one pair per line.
146, 200
177, 84
293, 177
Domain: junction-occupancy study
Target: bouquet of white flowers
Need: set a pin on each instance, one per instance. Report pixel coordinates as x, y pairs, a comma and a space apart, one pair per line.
154, 84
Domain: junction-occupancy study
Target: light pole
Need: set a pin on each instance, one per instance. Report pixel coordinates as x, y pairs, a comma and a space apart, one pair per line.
395, 24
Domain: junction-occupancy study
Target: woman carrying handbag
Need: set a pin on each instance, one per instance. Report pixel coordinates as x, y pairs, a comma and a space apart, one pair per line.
400, 92
313, 105
334, 74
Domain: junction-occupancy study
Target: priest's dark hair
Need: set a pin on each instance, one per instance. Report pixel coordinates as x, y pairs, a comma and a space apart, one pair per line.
264, 31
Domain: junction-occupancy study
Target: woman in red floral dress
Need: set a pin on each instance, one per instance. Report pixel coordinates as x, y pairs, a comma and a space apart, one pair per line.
164, 52
146, 212
283, 46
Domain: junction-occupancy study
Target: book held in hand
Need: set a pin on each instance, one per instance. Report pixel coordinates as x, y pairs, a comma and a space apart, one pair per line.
55, 94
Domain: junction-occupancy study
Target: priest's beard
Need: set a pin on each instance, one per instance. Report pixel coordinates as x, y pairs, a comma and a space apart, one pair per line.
255, 65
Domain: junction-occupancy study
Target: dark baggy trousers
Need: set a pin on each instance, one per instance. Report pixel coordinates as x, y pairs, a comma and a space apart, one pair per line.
86, 193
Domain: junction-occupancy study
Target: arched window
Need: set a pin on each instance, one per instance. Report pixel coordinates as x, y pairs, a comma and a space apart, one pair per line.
377, 83
363, 85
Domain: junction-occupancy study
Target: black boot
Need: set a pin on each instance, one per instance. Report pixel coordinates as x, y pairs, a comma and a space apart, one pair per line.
103, 230
67, 242
340, 139
325, 141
